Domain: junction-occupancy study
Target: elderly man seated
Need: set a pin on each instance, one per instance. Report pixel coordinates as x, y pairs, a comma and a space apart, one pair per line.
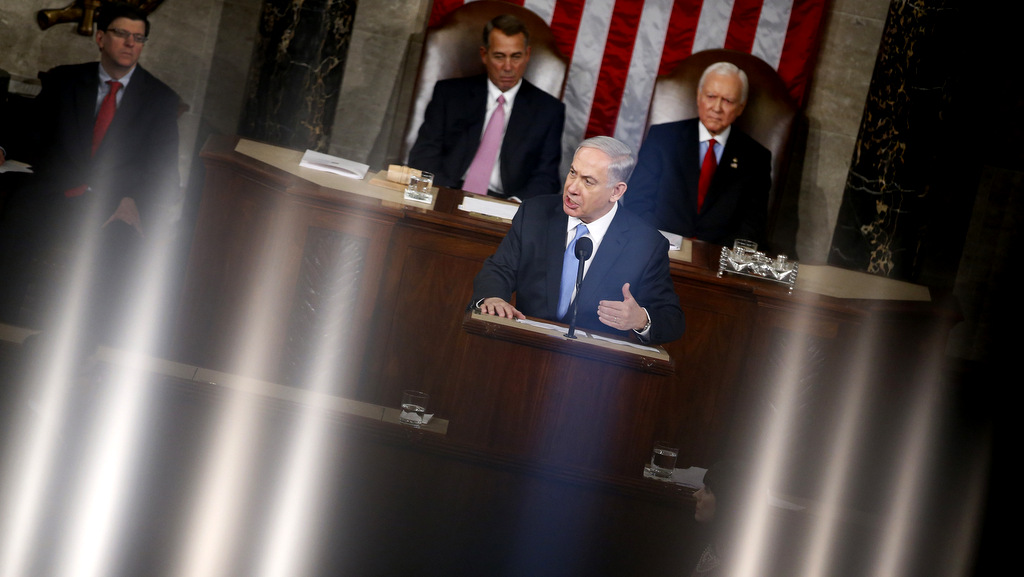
704, 178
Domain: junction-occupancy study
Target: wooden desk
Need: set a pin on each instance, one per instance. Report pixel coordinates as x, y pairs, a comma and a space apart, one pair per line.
382, 488
395, 280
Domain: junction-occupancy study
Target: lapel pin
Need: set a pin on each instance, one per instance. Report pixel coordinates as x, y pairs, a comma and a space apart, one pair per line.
735, 163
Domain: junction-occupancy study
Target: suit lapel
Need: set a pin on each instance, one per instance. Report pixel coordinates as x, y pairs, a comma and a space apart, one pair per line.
84, 103
554, 243
477, 104
519, 121
612, 245
476, 108
690, 150
517, 128
127, 110
726, 172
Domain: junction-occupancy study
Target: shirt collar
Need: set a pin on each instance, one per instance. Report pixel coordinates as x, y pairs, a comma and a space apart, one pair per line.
510, 95
596, 229
124, 80
704, 134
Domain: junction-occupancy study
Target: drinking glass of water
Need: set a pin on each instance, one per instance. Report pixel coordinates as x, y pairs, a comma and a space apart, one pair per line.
414, 406
663, 460
418, 188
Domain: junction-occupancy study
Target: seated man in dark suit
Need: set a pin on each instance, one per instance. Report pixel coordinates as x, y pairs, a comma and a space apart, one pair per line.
679, 187
103, 142
626, 286
517, 155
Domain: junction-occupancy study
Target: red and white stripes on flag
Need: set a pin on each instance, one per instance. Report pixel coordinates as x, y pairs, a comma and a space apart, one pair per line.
617, 48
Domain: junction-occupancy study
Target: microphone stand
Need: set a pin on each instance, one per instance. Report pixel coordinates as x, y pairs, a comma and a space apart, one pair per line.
584, 248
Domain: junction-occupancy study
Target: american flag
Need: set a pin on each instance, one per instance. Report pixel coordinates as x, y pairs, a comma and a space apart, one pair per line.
617, 48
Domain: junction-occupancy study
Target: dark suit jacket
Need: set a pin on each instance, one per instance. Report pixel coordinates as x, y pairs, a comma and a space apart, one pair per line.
663, 188
454, 122
138, 157
529, 262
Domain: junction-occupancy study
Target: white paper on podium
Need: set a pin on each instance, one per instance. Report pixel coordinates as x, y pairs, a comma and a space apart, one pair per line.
675, 241
480, 205
320, 161
692, 477
558, 328
15, 166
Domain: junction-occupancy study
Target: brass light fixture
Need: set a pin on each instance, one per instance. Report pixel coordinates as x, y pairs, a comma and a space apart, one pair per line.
84, 13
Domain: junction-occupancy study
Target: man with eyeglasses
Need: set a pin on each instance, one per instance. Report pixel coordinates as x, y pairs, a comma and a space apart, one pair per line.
102, 139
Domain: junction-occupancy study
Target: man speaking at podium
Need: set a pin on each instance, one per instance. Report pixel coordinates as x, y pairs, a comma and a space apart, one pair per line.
626, 286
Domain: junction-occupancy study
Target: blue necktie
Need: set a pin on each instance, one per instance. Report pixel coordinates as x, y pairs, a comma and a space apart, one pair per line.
570, 264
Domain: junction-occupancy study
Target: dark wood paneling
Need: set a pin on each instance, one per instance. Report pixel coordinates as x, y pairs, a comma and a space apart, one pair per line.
418, 320
708, 360
247, 255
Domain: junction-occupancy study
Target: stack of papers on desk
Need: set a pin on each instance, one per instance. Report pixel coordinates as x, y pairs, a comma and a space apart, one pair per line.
692, 477
15, 166
482, 205
675, 241
327, 163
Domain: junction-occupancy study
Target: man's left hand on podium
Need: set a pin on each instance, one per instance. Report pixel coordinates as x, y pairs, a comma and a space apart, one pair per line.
500, 308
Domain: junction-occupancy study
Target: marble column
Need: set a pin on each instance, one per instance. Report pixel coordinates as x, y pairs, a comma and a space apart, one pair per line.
296, 72
905, 158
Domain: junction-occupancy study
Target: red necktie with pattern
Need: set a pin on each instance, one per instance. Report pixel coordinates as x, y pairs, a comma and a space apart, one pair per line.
707, 171
103, 120
105, 115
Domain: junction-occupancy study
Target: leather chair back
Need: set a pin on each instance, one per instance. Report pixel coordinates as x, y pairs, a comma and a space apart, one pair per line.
768, 117
452, 50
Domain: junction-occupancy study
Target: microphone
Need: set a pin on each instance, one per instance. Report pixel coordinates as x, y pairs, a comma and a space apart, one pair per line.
584, 248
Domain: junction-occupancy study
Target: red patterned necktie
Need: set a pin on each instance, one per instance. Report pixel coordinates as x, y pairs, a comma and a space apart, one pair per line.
478, 178
103, 120
707, 171
105, 115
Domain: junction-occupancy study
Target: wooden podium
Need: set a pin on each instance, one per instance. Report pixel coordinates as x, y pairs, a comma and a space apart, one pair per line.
532, 393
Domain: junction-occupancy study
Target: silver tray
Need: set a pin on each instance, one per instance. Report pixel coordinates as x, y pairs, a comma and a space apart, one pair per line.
754, 264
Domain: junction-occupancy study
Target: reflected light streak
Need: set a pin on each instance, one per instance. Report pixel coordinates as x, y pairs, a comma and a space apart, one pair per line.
99, 505
287, 547
825, 533
974, 493
903, 496
33, 462
285, 550
212, 539
770, 457
912, 475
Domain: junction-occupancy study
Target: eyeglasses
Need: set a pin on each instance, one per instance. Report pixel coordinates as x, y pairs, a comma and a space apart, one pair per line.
124, 34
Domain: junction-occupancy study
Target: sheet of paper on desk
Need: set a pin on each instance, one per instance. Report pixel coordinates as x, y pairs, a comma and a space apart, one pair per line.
540, 324
589, 335
320, 161
15, 166
690, 477
675, 241
479, 205
625, 343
